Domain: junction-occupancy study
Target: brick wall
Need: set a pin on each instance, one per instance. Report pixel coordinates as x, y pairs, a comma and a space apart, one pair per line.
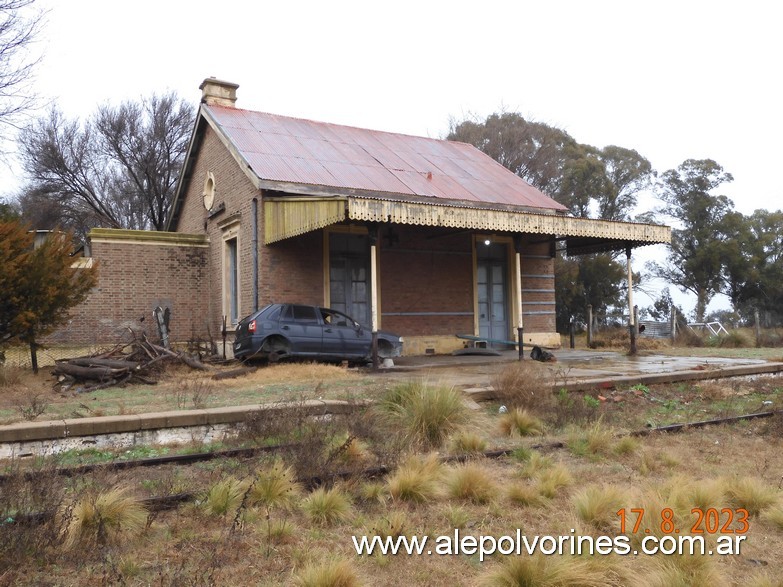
138, 271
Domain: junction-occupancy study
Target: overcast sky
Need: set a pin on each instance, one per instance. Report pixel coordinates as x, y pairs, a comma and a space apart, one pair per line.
673, 80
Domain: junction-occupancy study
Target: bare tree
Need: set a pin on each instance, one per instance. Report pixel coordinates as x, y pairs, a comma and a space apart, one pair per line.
19, 24
118, 170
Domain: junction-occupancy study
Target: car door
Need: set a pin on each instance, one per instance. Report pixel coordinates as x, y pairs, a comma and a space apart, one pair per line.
302, 326
342, 336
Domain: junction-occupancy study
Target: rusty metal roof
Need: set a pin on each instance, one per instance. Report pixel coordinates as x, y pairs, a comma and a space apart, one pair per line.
309, 153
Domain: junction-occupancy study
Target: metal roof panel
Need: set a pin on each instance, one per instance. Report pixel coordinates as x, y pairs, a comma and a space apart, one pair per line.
301, 151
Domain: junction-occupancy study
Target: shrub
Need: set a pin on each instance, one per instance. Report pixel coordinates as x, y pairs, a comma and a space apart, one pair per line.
418, 479
471, 482
10, 375
334, 573
520, 421
594, 441
327, 506
425, 415
733, 340
104, 518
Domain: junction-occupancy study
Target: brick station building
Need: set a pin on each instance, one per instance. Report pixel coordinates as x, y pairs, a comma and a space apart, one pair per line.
423, 237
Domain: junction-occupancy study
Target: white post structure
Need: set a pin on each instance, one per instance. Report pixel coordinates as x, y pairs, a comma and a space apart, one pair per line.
631, 320
518, 292
374, 293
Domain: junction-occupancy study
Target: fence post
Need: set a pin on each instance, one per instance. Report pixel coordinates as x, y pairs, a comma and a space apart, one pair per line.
633, 329
589, 326
571, 329
673, 313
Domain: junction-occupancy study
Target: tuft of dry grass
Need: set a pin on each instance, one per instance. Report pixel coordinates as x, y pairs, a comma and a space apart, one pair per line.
332, 573
471, 482
774, 515
104, 518
594, 441
598, 506
551, 571
526, 495
275, 487
680, 571
526, 385
225, 496
551, 480
326, 507
426, 415
418, 479
465, 442
520, 421
752, 494
391, 525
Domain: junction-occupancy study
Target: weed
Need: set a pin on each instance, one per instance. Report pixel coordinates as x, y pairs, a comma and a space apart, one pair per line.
520, 421
334, 573
425, 415
33, 407
418, 480
326, 507
641, 387
521, 454
592, 402
471, 482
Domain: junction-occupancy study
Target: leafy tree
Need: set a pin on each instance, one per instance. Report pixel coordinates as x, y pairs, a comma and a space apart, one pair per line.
38, 285
698, 249
753, 264
119, 169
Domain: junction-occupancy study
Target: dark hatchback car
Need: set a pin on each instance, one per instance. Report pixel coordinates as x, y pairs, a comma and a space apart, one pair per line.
281, 331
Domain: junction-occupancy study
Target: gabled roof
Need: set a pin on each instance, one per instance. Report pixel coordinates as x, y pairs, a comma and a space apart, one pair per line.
315, 158
293, 150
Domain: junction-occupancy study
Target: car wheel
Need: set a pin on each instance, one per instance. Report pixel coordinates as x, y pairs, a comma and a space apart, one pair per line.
384, 349
276, 349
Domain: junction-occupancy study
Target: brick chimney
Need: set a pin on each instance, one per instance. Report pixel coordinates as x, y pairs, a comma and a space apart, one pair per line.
215, 92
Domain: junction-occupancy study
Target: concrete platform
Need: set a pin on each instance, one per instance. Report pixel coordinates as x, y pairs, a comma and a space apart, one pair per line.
583, 369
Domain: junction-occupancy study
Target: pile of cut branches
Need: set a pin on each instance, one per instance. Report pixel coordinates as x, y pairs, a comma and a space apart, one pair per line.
138, 361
